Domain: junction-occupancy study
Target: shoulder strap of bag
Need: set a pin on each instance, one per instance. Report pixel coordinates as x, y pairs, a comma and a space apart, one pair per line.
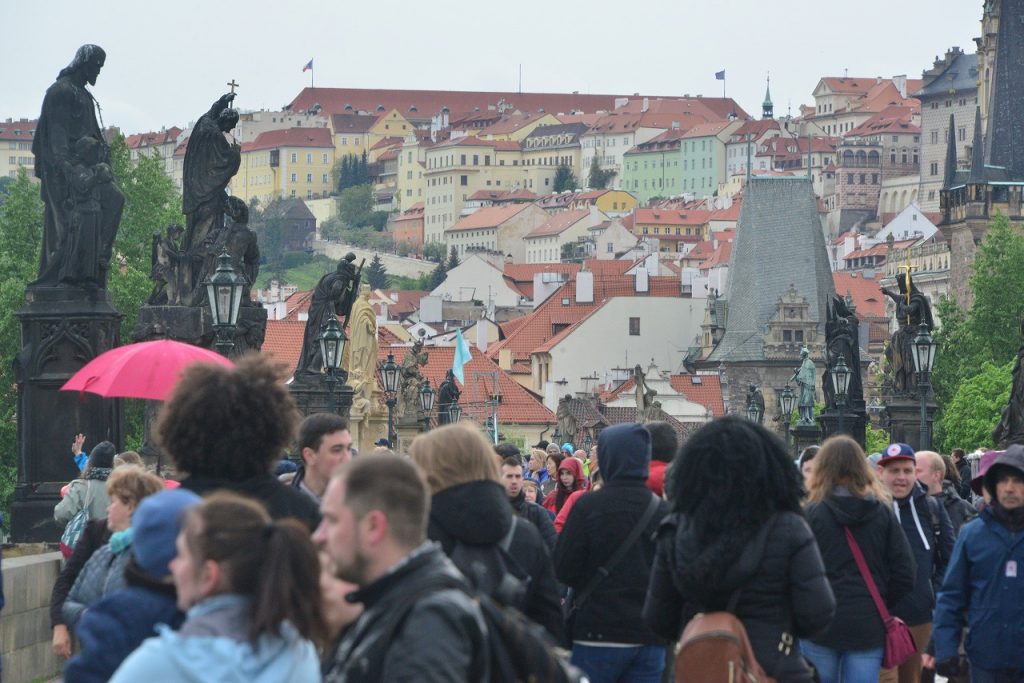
865, 574
603, 571
506, 541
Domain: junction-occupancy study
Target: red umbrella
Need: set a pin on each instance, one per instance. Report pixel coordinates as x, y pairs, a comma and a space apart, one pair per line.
143, 370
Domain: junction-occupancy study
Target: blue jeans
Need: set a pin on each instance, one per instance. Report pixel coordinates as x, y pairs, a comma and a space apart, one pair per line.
641, 664
844, 666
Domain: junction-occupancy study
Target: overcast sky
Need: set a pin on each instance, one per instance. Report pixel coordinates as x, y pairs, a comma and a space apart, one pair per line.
166, 68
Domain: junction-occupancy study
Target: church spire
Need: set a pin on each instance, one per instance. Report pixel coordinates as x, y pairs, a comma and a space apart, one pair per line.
1004, 136
767, 108
977, 176
949, 176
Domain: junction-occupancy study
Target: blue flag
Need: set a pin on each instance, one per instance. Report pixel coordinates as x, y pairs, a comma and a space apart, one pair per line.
462, 356
720, 75
309, 66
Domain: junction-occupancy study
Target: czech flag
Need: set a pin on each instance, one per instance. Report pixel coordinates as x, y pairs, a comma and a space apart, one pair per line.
309, 66
719, 75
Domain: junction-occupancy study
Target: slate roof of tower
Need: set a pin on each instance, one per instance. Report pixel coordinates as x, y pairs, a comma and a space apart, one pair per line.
960, 75
1004, 137
779, 242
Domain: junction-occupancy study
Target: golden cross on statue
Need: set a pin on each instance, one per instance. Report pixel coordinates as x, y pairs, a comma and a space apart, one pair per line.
232, 85
907, 282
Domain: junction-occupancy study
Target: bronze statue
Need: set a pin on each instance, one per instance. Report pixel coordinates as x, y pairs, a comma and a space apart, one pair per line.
912, 309
842, 340
72, 161
1010, 429
805, 377
333, 296
447, 394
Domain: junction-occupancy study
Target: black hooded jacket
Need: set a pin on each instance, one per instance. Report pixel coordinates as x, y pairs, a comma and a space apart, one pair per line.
280, 499
536, 515
857, 624
930, 535
478, 515
598, 524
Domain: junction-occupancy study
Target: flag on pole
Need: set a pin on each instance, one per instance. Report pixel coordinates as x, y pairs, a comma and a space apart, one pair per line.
309, 67
719, 75
462, 356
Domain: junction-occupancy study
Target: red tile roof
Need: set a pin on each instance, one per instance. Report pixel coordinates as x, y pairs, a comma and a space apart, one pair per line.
290, 137
413, 213
22, 129
891, 120
487, 217
865, 292
391, 141
878, 250
162, 137
352, 124
408, 300
731, 213
663, 217
705, 130
518, 406
720, 257
283, 341
559, 223
601, 268
707, 391
510, 123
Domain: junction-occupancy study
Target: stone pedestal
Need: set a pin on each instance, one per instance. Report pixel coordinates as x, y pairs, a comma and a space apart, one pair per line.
311, 395
62, 329
804, 435
852, 423
902, 417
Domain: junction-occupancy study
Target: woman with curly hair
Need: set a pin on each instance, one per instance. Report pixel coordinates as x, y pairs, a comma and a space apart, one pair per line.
846, 494
737, 540
225, 428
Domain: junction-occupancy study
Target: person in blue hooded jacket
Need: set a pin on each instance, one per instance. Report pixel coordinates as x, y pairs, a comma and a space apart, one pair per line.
251, 591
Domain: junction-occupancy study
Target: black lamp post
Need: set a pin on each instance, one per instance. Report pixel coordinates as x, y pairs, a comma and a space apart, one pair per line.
841, 383
224, 294
454, 412
587, 443
924, 356
426, 403
389, 378
787, 400
754, 410
332, 350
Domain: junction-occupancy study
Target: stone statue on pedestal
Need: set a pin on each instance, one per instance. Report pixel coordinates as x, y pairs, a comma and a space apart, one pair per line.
362, 345
447, 394
566, 421
912, 309
410, 380
805, 377
842, 341
334, 295
72, 161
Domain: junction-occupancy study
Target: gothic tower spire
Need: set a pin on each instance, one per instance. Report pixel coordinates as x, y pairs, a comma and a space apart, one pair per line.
1004, 137
767, 108
949, 176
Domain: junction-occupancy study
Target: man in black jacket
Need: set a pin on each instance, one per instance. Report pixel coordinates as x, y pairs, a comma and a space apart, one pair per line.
610, 640
931, 473
412, 628
930, 534
512, 478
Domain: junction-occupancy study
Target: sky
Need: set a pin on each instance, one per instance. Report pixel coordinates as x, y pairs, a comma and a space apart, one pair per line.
167, 67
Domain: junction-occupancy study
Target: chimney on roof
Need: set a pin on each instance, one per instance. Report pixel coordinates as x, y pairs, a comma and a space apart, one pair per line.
641, 280
584, 287
646, 105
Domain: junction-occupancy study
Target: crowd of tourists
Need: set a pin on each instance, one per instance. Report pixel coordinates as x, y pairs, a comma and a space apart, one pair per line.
638, 561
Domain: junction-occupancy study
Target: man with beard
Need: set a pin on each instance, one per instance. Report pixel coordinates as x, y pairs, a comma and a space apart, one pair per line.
375, 513
512, 478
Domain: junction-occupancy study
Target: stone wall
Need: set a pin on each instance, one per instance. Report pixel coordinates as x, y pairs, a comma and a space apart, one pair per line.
25, 633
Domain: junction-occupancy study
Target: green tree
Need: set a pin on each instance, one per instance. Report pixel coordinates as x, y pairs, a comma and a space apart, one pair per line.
437, 277
453, 259
377, 274
875, 440
356, 205
976, 407
151, 203
5, 183
564, 179
434, 251
599, 178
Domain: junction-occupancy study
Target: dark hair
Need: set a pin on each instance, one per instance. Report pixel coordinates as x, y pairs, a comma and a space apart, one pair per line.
273, 562
664, 442
512, 461
508, 450
732, 476
952, 473
318, 425
393, 485
557, 457
958, 454
229, 423
808, 454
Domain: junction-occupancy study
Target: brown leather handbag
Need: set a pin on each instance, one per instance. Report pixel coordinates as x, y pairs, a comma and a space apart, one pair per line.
714, 648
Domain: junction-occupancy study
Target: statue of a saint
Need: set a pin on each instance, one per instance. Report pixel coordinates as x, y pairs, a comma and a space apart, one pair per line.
72, 161
166, 257
210, 163
333, 296
804, 376
1010, 429
411, 379
241, 244
912, 309
362, 344
447, 394
842, 340
566, 421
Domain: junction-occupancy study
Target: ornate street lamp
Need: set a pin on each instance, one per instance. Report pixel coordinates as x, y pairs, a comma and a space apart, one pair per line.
224, 295
426, 403
389, 372
841, 383
587, 443
787, 400
754, 410
454, 413
332, 349
924, 356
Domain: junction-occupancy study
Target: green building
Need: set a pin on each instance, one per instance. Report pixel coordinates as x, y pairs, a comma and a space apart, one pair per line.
652, 168
702, 157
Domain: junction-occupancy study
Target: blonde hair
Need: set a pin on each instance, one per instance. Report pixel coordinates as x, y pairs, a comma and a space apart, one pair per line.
841, 462
540, 454
127, 458
935, 461
454, 454
132, 483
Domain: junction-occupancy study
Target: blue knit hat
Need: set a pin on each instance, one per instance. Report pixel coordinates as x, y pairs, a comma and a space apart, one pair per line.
155, 526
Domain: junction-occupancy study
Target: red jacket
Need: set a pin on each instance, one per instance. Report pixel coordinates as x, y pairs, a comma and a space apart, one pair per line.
656, 478
560, 491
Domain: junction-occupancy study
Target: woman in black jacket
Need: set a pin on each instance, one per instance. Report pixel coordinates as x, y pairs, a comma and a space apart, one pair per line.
732, 480
844, 492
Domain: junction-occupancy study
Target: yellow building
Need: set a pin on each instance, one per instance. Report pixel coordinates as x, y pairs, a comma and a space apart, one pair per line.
389, 125
610, 202
554, 146
16, 147
296, 162
410, 181
351, 134
516, 126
